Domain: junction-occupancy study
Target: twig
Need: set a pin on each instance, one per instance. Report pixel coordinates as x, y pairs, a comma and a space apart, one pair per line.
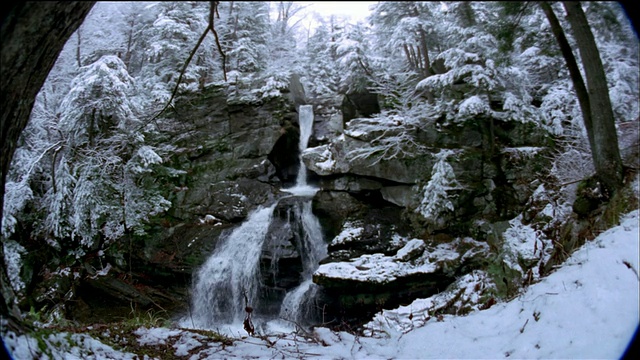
570, 182
213, 9
308, 334
248, 324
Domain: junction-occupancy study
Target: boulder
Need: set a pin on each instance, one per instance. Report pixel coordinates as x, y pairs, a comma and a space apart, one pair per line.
340, 157
401, 195
354, 290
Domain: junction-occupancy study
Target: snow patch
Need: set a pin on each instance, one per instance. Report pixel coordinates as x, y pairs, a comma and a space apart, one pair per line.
379, 268
350, 232
154, 336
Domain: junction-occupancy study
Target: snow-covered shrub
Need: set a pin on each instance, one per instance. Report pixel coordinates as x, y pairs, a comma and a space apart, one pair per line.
558, 107
101, 176
572, 162
16, 196
435, 199
524, 247
13, 261
389, 135
273, 86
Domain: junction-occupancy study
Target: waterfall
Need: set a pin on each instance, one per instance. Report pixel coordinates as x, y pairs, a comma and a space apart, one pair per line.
305, 119
230, 272
298, 304
233, 269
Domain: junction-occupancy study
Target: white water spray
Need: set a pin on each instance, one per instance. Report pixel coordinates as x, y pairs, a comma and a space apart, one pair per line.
230, 273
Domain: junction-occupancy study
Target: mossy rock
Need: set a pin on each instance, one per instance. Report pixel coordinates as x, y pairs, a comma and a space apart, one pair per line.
589, 196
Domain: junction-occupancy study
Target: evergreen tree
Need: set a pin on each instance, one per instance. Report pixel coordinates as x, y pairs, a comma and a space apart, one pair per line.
168, 41
96, 195
321, 61
246, 35
353, 51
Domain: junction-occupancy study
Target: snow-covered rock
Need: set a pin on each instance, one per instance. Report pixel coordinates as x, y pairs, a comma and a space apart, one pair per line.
361, 285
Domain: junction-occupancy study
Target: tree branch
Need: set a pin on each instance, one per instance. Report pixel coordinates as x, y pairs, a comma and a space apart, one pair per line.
213, 10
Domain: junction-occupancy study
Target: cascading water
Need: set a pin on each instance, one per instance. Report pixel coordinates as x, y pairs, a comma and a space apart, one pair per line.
231, 273
305, 119
298, 304
233, 270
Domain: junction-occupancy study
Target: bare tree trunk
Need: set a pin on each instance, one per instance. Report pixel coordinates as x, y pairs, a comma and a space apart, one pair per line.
78, 57
408, 55
230, 9
606, 153
127, 55
32, 35
419, 63
425, 52
414, 57
574, 70
424, 62
427, 63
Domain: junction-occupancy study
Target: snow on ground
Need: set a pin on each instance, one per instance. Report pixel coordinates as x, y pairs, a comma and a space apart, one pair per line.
588, 308
524, 244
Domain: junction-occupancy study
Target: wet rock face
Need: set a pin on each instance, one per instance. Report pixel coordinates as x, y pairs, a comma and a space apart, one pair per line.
285, 155
367, 202
226, 142
159, 275
349, 304
493, 163
235, 157
281, 260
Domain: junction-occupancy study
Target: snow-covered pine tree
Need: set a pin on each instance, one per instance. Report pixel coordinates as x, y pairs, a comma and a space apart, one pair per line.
98, 184
435, 200
352, 49
321, 61
167, 42
245, 35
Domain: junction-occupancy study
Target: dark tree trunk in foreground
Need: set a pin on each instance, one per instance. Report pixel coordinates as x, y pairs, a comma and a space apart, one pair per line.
574, 71
606, 154
32, 35
593, 98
